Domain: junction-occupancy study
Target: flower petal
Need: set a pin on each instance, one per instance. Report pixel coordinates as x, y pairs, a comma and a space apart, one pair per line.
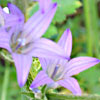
43, 63
44, 4
4, 40
47, 49
53, 85
71, 84
66, 42
41, 79
10, 20
80, 64
40, 25
23, 64
16, 11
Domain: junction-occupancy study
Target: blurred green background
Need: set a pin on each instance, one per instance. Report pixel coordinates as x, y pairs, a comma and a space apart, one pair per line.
83, 18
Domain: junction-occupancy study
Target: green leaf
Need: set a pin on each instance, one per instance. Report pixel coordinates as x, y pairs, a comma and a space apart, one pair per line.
33, 71
65, 7
28, 94
91, 78
3, 2
6, 55
52, 31
31, 10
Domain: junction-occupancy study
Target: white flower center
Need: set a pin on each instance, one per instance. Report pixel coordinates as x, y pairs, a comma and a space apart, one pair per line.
19, 45
22, 41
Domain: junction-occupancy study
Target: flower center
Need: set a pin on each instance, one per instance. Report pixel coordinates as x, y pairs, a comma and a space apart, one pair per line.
57, 73
19, 45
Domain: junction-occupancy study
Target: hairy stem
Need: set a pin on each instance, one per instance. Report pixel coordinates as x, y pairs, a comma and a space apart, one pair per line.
71, 97
22, 96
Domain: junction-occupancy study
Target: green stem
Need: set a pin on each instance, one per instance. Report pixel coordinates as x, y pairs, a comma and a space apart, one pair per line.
5, 82
71, 97
91, 21
23, 97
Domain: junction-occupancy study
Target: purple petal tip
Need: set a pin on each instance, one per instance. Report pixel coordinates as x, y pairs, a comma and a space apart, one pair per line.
68, 30
31, 87
55, 5
21, 85
98, 60
8, 4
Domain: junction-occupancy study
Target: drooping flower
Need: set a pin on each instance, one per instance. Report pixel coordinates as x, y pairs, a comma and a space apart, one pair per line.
60, 71
24, 42
7, 20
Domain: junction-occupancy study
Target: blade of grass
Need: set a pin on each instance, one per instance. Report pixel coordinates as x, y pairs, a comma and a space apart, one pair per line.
91, 21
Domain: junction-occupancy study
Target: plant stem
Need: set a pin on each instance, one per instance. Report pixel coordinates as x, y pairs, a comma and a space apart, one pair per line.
5, 82
52, 96
91, 21
23, 97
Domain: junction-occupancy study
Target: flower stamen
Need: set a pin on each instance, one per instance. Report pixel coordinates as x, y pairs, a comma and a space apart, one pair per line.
57, 73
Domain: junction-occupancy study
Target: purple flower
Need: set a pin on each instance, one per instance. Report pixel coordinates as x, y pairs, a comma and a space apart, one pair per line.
23, 41
60, 71
7, 20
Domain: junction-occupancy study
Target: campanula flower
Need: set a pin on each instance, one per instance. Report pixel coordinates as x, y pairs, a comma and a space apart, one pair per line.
60, 71
24, 42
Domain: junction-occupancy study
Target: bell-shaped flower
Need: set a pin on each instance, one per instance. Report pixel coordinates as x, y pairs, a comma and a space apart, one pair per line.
60, 71
24, 42
7, 20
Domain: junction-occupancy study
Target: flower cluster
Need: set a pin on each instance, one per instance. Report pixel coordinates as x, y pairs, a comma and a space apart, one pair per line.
24, 41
